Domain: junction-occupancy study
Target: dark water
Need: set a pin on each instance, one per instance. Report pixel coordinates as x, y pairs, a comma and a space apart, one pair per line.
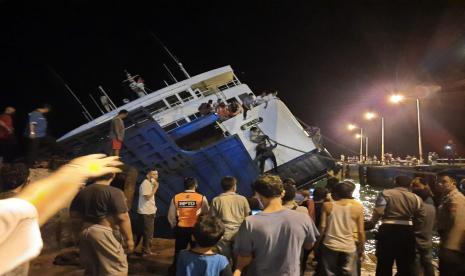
367, 195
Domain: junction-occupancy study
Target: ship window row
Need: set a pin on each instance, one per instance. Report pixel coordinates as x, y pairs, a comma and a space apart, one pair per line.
195, 116
175, 124
170, 101
186, 96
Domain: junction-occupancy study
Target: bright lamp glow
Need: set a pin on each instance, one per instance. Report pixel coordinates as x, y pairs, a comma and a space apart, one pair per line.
396, 98
358, 136
370, 115
351, 127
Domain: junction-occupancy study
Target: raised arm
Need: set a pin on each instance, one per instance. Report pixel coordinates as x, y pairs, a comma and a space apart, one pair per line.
53, 193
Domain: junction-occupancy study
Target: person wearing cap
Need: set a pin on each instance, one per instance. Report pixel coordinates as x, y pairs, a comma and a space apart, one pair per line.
400, 212
184, 210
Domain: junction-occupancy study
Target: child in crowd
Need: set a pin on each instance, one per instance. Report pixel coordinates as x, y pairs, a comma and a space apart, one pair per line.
201, 260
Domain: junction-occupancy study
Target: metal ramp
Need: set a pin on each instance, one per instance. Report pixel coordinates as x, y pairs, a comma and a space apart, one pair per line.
148, 146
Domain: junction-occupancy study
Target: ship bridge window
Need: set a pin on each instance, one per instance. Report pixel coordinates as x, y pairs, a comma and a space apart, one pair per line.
156, 107
185, 96
173, 100
201, 138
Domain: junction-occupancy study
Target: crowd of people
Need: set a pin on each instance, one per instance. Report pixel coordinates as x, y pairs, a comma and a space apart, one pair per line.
409, 160
233, 108
277, 231
36, 135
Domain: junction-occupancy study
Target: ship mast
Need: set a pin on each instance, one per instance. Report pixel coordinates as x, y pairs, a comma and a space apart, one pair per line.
85, 112
181, 67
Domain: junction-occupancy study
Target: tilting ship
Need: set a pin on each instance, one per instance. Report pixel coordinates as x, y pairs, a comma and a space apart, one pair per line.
166, 132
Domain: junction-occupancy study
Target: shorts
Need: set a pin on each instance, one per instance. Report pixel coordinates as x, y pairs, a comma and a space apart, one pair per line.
116, 144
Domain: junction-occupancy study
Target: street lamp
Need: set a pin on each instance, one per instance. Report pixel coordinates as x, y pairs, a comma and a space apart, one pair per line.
352, 127
371, 116
398, 98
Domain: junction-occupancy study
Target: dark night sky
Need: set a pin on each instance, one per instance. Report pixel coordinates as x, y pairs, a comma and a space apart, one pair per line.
329, 60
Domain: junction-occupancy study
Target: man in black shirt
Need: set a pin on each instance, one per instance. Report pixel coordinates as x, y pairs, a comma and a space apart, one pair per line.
265, 152
100, 207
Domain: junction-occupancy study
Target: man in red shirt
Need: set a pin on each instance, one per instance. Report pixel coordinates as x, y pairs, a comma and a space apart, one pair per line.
7, 133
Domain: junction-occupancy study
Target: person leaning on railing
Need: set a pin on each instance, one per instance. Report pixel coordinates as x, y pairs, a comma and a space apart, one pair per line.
21, 217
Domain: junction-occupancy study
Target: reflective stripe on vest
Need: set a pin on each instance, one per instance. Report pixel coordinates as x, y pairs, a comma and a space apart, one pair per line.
188, 207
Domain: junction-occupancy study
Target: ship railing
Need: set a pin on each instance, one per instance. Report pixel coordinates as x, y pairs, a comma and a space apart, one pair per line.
190, 98
207, 92
159, 110
175, 104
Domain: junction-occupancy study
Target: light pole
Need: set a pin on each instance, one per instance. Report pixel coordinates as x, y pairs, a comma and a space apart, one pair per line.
398, 98
382, 140
360, 136
370, 116
420, 145
366, 148
352, 127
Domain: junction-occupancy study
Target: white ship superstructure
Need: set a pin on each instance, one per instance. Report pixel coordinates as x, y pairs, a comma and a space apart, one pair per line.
177, 104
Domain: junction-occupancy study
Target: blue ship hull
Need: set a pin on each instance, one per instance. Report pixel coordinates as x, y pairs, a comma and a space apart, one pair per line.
147, 146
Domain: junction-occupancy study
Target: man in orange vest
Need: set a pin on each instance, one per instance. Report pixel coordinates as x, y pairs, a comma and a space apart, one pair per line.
184, 210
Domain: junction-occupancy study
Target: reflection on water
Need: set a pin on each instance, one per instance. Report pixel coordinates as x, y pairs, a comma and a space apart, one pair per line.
367, 195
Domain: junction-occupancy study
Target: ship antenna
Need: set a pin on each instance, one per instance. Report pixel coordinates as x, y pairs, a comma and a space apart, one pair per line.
171, 74
181, 67
95, 102
106, 95
85, 112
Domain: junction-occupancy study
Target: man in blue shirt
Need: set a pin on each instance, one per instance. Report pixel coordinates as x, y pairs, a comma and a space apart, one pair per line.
37, 134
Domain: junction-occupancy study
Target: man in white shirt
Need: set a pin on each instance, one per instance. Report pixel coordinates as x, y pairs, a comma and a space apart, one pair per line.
147, 209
